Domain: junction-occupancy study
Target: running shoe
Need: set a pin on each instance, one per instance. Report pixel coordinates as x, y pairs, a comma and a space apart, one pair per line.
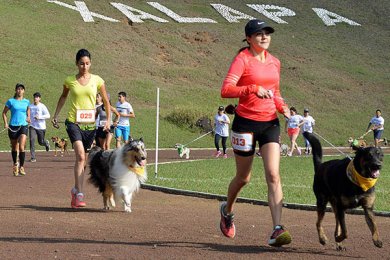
73, 193
280, 236
217, 154
47, 145
227, 225
21, 170
289, 154
299, 151
15, 169
33, 160
225, 156
78, 201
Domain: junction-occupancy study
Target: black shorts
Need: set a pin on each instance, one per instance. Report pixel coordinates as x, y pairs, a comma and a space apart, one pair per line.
76, 134
103, 134
14, 132
246, 133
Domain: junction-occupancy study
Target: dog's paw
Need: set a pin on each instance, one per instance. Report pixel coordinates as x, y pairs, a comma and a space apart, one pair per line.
378, 243
323, 240
340, 247
127, 209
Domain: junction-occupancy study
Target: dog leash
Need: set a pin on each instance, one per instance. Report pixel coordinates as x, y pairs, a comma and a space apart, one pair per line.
333, 145
198, 138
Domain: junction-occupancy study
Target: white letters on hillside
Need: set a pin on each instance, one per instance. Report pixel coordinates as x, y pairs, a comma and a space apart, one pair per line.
230, 14
226, 13
325, 16
84, 11
274, 16
179, 18
128, 11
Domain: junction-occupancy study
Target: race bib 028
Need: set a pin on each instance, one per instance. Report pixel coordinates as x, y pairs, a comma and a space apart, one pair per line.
85, 116
242, 141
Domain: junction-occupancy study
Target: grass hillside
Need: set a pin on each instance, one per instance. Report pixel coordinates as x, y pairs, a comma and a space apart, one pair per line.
340, 72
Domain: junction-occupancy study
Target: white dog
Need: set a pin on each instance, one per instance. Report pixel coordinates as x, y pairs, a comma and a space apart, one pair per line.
183, 150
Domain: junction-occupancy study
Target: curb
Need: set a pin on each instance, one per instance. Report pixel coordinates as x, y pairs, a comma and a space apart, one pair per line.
250, 201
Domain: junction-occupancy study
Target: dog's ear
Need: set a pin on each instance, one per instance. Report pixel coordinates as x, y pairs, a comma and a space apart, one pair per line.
141, 139
130, 139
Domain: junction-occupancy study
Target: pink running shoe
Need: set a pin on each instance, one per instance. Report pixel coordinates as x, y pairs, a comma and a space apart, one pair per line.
226, 225
225, 156
73, 193
280, 236
217, 154
299, 151
78, 201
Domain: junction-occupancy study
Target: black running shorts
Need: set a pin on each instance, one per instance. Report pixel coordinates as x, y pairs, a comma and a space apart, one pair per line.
14, 132
76, 134
246, 133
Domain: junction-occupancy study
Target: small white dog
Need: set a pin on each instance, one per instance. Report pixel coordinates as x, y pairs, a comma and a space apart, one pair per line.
183, 150
283, 149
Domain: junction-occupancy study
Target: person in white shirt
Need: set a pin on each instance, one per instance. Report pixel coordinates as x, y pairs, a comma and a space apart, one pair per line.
221, 124
37, 128
376, 124
122, 131
293, 128
307, 126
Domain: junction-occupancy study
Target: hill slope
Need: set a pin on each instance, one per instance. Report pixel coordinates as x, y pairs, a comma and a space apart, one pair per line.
340, 72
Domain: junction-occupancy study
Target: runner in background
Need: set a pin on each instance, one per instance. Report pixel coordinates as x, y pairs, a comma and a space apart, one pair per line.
37, 128
221, 125
122, 131
376, 124
17, 127
104, 137
253, 77
308, 124
293, 125
80, 123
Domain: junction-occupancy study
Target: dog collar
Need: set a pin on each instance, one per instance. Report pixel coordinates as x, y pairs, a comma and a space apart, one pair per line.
356, 178
138, 170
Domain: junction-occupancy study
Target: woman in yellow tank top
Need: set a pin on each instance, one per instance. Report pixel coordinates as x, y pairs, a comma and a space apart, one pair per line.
80, 123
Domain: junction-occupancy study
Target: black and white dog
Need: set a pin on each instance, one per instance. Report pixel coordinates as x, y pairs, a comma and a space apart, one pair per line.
118, 173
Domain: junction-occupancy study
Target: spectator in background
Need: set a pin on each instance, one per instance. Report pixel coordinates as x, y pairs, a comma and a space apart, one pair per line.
253, 78
37, 128
122, 131
293, 125
221, 125
17, 127
376, 124
307, 126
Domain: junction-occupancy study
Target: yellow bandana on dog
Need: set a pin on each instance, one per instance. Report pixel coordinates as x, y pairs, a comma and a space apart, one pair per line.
356, 178
138, 170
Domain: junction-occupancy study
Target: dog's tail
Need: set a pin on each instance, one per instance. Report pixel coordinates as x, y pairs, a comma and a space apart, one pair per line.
316, 148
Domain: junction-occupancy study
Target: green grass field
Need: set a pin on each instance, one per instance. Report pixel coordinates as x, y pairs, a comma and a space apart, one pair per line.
213, 176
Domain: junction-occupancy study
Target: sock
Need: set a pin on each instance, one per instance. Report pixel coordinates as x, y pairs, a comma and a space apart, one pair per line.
14, 156
22, 156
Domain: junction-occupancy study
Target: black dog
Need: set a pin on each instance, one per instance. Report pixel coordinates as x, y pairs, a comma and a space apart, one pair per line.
346, 184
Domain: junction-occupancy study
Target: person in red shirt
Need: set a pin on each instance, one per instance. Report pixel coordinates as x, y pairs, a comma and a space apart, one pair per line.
253, 78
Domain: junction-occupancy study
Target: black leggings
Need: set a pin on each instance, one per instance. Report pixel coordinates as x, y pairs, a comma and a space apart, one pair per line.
216, 142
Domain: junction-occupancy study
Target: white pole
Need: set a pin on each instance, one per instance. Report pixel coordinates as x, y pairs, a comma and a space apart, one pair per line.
157, 126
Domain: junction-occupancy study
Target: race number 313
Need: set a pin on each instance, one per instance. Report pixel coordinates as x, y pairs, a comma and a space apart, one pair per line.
242, 141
